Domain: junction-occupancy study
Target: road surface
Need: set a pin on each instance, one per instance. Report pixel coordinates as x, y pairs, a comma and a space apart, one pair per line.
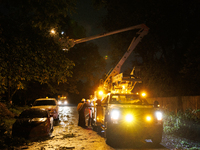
68, 135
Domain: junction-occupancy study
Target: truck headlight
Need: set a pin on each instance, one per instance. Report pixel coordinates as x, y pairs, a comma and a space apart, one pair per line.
148, 118
159, 115
115, 114
129, 117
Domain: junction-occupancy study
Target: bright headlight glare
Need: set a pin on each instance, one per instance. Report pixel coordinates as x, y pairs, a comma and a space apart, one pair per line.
129, 118
159, 115
65, 102
59, 102
148, 118
115, 114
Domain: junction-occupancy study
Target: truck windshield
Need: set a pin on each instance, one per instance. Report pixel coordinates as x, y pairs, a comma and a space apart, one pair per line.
126, 99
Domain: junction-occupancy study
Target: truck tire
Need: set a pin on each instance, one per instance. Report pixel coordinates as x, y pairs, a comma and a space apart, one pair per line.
157, 135
111, 138
157, 139
94, 128
99, 130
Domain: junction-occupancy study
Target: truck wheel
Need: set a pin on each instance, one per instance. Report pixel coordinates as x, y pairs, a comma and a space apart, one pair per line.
94, 128
157, 139
111, 138
99, 130
157, 135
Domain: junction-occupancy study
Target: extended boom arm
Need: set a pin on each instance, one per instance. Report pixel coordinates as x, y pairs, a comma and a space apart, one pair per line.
69, 43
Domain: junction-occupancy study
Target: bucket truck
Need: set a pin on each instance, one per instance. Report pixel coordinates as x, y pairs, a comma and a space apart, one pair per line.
120, 115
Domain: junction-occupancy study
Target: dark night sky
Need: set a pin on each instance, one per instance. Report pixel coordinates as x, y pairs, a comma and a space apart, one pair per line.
90, 19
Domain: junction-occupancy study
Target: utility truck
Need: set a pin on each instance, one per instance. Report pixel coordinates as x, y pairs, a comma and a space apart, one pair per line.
117, 113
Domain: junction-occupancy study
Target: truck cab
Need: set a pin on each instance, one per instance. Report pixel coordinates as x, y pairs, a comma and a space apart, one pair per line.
128, 116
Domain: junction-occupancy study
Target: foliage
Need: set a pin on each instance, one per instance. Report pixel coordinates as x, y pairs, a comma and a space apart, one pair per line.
6, 140
28, 52
42, 14
17, 109
183, 123
30, 55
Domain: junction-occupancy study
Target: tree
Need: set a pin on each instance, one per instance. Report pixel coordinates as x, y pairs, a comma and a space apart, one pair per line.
30, 56
27, 50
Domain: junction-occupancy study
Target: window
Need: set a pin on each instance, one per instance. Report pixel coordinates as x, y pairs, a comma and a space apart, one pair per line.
44, 102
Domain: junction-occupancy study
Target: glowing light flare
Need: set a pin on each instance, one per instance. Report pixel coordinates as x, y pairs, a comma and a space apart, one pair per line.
115, 114
143, 94
100, 92
148, 118
129, 118
53, 31
159, 115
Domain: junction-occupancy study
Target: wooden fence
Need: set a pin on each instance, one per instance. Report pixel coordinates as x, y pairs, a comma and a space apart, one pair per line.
177, 103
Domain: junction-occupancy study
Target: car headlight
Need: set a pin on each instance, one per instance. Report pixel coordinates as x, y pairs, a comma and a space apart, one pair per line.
115, 114
39, 119
129, 117
159, 115
65, 102
59, 102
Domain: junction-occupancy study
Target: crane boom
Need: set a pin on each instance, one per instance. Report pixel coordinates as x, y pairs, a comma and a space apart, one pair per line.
141, 26
107, 83
69, 43
142, 32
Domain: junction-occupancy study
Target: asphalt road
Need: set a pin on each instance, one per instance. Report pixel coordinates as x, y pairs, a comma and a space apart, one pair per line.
68, 135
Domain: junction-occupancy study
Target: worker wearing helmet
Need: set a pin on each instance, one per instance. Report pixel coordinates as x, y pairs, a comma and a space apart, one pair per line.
81, 110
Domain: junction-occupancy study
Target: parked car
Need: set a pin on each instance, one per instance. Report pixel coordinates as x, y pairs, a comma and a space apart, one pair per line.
62, 101
50, 104
33, 123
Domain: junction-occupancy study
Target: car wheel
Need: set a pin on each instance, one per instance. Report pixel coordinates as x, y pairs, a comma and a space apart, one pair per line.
56, 122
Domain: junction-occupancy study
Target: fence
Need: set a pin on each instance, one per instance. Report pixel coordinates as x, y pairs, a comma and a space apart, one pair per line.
177, 103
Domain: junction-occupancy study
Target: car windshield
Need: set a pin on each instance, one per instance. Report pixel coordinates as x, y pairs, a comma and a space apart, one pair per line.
44, 102
33, 114
126, 99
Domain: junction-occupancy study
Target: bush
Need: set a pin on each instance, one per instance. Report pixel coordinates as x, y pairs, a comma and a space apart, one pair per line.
182, 123
7, 113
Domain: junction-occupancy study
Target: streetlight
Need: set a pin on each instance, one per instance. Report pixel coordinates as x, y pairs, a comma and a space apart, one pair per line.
53, 31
